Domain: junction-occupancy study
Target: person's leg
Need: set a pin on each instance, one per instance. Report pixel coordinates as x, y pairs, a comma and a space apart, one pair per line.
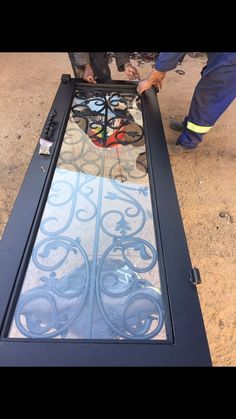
78, 70
72, 61
99, 63
212, 96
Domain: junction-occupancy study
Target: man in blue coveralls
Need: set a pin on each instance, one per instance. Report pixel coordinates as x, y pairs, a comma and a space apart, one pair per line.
212, 96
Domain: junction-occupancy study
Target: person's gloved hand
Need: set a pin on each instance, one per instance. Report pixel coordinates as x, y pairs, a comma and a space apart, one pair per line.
131, 72
88, 74
155, 79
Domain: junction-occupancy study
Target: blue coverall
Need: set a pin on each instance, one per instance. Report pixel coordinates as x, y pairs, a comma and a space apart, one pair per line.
212, 96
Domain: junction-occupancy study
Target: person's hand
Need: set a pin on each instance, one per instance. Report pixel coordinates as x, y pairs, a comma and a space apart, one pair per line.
143, 85
155, 79
131, 72
88, 74
158, 78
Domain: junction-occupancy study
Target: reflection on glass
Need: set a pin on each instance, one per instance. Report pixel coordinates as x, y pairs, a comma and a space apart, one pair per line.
94, 272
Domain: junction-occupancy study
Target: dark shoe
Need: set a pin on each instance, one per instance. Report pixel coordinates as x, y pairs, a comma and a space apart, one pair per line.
188, 140
177, 126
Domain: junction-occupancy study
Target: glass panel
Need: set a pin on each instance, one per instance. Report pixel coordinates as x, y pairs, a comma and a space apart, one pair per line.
94, 271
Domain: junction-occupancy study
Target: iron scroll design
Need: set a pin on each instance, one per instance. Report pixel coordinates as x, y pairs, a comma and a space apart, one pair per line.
92, 246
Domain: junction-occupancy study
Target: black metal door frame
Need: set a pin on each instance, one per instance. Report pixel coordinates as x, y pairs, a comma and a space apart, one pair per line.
189, 343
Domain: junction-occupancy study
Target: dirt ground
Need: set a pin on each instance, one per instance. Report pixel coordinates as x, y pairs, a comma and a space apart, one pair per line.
205, 179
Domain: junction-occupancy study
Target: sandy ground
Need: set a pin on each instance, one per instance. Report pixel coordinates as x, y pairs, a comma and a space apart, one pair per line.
205, 180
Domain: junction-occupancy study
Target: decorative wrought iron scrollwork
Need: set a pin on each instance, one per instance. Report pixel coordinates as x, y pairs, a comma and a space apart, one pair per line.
112, 113
95, 285
131, 307
51, 309
121, 224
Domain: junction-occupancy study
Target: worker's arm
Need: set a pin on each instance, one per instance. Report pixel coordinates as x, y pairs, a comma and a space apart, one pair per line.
165, 62
82, 60
122, 58
123, 64
168, 60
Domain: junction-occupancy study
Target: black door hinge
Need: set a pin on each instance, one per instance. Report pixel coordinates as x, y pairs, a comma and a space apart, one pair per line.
195, 276
46, 138
49, 126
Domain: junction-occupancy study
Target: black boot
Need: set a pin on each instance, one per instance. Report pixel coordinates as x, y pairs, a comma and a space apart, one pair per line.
177, 126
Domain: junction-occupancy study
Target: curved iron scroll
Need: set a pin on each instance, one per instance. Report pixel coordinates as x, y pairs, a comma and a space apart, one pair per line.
95, 287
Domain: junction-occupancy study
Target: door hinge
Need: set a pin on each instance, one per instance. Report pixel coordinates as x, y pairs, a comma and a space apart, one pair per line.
46, 139
195, 276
